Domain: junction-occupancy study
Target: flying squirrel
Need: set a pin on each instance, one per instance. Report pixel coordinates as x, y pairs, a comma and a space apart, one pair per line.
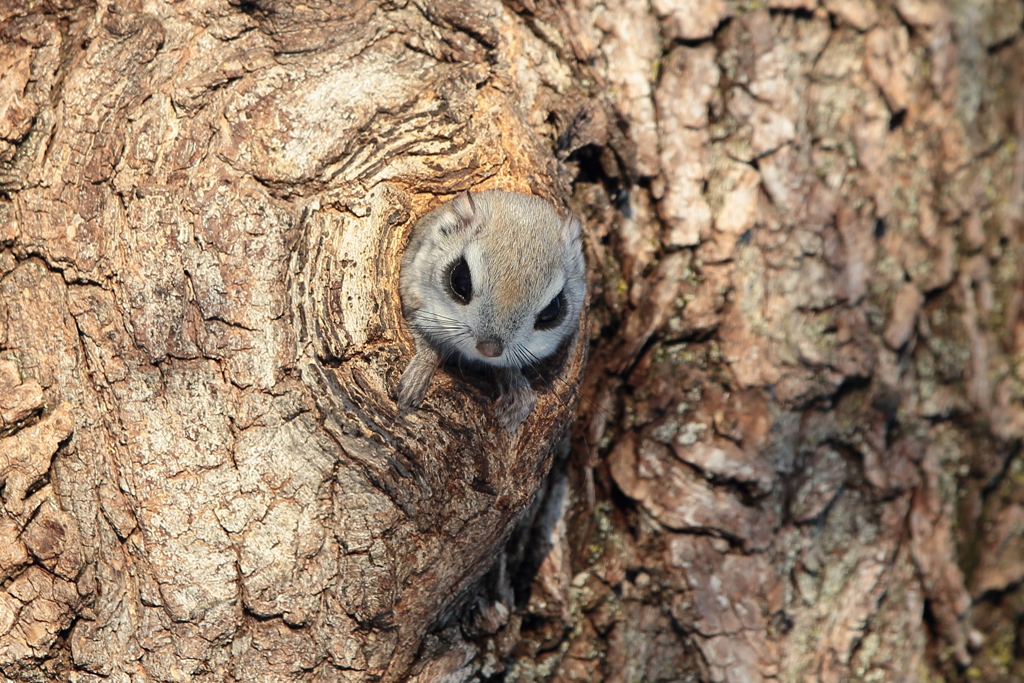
494, 278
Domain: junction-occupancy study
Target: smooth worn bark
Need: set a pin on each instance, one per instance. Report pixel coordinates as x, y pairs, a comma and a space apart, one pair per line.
797, 453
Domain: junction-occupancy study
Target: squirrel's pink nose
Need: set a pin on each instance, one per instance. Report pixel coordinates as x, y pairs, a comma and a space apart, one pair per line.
490, 348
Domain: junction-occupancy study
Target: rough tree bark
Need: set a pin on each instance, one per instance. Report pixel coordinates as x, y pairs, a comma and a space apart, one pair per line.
797, 453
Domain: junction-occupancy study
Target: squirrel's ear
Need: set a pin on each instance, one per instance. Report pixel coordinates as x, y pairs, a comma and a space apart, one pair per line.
571, 228
465, 209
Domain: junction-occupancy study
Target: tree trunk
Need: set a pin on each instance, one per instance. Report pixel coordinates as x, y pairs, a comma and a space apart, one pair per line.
796, 456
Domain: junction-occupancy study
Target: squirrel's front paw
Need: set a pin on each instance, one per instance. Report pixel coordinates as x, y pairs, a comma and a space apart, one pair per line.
412, 387
515, 403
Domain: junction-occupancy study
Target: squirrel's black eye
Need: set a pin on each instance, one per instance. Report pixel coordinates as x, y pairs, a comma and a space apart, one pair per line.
459, 281
551, 314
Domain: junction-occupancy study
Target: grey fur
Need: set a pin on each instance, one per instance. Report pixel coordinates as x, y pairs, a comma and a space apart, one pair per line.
520, 255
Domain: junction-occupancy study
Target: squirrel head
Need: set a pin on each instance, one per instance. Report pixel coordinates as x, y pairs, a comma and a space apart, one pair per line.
497, 277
